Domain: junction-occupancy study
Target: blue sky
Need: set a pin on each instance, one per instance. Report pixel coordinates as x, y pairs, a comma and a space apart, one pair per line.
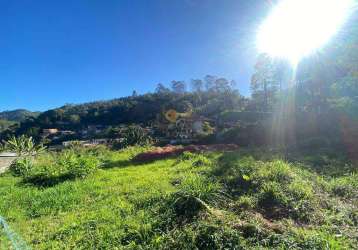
57, 52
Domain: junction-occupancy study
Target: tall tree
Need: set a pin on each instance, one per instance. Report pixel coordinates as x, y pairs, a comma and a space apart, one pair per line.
210, 82
178, 87
161, 89
197, 85
263, 83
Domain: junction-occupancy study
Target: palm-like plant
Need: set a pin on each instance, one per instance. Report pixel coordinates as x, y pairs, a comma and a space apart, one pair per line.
23, 146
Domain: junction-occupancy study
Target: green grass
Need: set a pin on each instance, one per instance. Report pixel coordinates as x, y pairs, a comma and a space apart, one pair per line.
241, 200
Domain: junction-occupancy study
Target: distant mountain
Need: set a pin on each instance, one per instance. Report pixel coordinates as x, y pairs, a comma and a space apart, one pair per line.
17, 115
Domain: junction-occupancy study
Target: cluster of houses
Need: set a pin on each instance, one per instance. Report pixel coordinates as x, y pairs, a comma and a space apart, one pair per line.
56, 133
92, 135
170, 127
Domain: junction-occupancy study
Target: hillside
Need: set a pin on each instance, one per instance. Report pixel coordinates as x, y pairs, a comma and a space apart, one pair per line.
238, 200
142, 110
9, 118
18, 115
5, 124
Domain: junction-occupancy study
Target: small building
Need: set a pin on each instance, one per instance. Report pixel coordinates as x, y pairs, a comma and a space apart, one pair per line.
69, 143
49, 131
67, 132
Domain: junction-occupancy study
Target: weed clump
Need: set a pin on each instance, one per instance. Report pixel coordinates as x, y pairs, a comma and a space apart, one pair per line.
196, 160
199, 235
188, 206
279, 187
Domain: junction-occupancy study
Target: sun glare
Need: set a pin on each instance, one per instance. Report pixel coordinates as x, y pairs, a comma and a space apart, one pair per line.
296, 28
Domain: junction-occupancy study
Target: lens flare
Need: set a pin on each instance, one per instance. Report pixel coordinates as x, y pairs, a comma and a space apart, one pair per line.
296, 28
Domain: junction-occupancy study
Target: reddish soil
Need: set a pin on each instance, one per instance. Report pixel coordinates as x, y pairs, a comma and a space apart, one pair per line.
170, 150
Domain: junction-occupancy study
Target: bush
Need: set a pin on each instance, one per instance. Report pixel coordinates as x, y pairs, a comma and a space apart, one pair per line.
83, 166
77, 165
197, 160
345, 186
245, 203
53, 168
23, 145
134, 135
22, 166
272, 195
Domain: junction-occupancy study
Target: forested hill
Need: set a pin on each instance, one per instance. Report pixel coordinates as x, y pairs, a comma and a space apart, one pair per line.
9, 118
17, 115
209, 97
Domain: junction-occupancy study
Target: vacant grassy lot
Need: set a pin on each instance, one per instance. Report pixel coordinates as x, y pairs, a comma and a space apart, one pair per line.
241, 200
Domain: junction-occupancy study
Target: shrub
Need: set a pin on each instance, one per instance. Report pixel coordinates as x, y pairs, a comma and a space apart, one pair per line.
186, 156
77, 165
66, 159
200, 187
201, 160
245, 202
272, 195
134, 135
23, 145
187, 206
50, 169
197, 160
83, 166
345, 186
22, 166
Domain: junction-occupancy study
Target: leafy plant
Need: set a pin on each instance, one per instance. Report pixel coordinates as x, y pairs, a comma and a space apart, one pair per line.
83, 166
22, 166
23, 145
77, 164
134, 135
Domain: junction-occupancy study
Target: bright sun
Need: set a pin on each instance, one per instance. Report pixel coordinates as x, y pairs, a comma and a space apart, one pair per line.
296, 28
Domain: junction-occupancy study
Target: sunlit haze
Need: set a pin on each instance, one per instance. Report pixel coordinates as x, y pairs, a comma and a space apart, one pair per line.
296, 28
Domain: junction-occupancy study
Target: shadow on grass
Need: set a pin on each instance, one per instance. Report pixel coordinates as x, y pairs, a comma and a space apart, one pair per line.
46, 181
133, 162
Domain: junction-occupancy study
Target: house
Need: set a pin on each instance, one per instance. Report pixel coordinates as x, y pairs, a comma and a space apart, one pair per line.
69, 143
66, 132
49, 131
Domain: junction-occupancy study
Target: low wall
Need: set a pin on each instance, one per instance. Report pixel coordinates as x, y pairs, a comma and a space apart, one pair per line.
5, 162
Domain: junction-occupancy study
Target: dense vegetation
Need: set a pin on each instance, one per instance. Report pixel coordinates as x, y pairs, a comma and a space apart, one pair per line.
5, 124
9, 118
18, 115
99, 199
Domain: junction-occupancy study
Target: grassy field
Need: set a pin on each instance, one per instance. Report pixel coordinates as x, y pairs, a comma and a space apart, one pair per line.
240, 200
